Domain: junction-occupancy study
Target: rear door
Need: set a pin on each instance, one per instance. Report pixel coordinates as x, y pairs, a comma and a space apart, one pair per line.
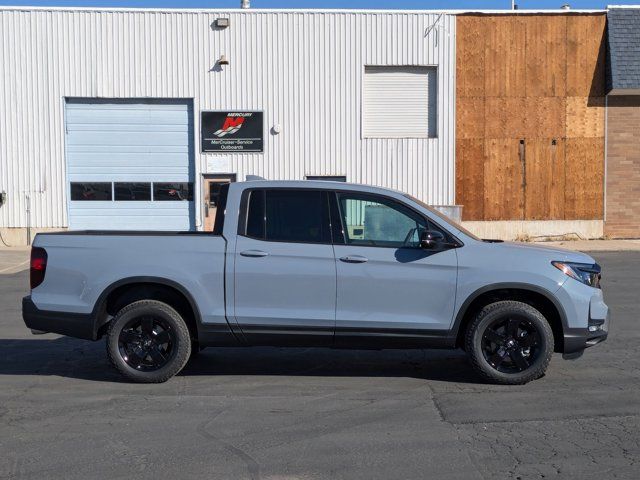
285, 274
388, 288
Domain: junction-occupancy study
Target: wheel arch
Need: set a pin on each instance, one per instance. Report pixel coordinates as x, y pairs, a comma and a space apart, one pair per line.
538, 297
131, 289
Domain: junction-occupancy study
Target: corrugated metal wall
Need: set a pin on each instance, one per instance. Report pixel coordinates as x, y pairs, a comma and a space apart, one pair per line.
303, 69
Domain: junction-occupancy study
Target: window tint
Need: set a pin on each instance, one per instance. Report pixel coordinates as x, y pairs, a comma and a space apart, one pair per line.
255, 214
91, 191
297, 216
132, 191
173, 191
379, 222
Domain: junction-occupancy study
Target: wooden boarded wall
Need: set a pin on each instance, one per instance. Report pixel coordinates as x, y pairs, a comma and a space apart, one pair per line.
530, 116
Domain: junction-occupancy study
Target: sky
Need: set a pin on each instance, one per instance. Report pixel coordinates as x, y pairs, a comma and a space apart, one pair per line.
354, 4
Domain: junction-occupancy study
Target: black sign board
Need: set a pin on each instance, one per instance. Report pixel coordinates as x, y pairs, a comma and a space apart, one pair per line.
231, 132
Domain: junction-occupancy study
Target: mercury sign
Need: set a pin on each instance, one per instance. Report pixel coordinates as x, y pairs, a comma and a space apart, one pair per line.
232, 132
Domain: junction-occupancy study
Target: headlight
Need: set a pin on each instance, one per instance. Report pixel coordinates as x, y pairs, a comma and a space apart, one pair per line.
587, 273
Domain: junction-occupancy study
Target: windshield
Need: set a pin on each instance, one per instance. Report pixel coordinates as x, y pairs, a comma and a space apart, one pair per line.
441, 215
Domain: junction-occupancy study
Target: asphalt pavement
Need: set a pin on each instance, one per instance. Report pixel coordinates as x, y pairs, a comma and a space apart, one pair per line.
281, 414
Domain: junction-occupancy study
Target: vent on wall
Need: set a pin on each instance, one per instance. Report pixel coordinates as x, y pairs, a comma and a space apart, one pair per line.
400, 102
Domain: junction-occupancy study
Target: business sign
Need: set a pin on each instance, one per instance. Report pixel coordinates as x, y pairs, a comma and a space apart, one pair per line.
232, 132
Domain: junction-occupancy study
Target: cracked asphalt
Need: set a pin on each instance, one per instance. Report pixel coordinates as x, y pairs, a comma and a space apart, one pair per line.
316, 413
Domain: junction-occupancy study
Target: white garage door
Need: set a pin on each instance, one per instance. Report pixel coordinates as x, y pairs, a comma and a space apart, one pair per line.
130, 164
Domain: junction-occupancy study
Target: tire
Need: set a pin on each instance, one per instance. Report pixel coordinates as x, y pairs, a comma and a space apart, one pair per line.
509, 343
148, 342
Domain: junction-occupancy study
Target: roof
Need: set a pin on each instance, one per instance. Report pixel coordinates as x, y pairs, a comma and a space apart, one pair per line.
300, 10
623, 50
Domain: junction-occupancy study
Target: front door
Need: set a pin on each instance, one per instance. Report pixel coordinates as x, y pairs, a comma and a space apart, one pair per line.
390, 289
212, 184
285, 275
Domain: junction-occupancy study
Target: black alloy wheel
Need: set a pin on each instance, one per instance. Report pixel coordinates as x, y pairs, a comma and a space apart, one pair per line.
511, 345
509, 342
146, 343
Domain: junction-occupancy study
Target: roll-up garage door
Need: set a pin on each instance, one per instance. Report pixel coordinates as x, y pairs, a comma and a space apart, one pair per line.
130, 164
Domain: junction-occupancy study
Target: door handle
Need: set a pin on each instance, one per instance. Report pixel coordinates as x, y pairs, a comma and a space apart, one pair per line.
354, 259
254, 253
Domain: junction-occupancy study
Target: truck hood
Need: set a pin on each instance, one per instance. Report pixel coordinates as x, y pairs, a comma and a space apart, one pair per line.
550, 253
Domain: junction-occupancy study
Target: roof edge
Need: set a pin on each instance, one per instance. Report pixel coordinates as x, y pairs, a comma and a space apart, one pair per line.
295, 10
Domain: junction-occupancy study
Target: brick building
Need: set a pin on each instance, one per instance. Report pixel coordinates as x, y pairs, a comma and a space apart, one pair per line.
622, 198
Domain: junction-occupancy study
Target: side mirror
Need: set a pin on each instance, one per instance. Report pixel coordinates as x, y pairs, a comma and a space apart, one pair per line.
431, 239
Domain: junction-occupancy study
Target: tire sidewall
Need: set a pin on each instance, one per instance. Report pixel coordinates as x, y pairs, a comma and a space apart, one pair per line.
182, 341
545, 334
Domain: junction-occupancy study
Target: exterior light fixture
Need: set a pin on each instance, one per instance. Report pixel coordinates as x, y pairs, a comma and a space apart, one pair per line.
221, 22
223, 60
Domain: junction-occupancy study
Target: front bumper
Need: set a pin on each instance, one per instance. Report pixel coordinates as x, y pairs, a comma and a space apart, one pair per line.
576, 340
77, 325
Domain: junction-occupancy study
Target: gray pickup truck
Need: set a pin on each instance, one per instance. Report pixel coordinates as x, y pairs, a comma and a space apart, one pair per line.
316, 264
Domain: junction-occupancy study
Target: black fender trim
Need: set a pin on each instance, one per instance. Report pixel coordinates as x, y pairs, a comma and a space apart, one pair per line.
208, 334
510, 286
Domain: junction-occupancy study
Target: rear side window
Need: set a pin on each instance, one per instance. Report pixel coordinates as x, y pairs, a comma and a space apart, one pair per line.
296, 216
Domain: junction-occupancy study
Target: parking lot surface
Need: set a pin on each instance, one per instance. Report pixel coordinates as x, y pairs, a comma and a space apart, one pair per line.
317, 413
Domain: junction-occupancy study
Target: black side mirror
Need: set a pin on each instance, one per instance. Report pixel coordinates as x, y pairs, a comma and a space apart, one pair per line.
430, 239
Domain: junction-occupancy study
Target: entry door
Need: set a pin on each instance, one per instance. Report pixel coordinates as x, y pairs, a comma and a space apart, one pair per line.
212, 185
285, 275
389, 287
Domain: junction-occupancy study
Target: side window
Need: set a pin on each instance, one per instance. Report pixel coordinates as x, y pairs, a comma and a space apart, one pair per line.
297, 216
375, 221
280, 215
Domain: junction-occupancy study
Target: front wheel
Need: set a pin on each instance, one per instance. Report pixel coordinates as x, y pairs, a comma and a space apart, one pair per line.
148, 342
509, 343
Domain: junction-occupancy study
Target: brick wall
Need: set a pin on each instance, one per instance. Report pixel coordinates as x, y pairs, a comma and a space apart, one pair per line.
623, 167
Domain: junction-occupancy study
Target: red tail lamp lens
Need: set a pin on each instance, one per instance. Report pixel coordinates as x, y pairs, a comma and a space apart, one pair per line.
38, 266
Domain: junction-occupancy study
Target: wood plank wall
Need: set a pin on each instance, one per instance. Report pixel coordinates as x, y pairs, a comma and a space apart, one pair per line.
530, 116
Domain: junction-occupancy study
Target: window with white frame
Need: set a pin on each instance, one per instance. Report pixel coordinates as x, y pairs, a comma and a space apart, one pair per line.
400, 102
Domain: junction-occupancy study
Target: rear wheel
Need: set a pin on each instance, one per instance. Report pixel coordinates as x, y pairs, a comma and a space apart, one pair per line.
148, 342
510, 343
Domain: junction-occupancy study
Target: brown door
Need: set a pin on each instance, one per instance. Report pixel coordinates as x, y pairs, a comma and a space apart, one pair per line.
212, 184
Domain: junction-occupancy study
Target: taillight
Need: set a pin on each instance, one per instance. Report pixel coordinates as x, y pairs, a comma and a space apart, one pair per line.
38, 266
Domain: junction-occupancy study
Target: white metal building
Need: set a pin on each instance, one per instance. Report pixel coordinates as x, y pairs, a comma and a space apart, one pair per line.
101, 109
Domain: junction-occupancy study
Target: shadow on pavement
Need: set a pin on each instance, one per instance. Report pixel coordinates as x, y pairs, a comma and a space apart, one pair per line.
71, 358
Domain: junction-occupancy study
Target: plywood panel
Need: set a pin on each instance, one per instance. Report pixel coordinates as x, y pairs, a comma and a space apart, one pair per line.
585, 117
586, 55
546, 55
585, 176
470, 117
505, 117
470, 178
505, 56
544, 179
545, 117
503, 180
471, 35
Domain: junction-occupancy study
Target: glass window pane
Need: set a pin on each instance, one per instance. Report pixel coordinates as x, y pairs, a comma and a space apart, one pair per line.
297, 216
380, 222
132, 191
175, 191
255, 215
91, 191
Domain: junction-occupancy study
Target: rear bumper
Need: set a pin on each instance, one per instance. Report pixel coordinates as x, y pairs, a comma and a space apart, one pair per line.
77, 325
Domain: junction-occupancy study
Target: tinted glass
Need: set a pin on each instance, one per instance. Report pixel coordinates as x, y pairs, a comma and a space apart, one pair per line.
255, 214
132, 191
91, 191
173, 191
297, 216
379, 222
